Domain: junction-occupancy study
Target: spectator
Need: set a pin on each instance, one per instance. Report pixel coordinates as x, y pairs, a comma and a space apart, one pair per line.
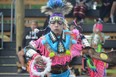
46, 22
113, 11
105, 9
80, 10
31, 34
46, 25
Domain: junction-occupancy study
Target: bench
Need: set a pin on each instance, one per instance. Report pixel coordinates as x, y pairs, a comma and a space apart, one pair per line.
0, 43
110, 44
107, 28
37, 13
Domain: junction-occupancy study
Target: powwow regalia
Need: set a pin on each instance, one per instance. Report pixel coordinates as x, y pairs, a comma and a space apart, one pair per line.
59, 49
97, 41
99, 57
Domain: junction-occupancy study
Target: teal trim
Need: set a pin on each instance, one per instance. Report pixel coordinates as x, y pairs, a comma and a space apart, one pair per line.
64, 74
53, 46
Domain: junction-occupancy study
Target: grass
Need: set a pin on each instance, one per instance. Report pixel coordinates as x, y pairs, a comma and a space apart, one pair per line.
111, 71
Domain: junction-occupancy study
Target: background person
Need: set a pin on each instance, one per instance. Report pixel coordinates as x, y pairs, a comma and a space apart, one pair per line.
97, 41
31, 34
113, 12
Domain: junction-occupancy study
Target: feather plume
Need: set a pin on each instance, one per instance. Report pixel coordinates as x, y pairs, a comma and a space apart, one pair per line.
56, 6
46, 10
67, 8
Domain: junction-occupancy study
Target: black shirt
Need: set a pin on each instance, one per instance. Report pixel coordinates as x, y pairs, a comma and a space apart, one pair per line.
30, 35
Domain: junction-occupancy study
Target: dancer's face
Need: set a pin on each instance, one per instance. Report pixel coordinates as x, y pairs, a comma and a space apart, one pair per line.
57, 26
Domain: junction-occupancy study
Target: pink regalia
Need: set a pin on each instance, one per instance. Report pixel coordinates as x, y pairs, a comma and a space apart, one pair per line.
48, 47
75, 49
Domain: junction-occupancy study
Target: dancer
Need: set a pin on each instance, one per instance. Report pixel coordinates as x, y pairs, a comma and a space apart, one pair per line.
97, 41
58, 43
32, 34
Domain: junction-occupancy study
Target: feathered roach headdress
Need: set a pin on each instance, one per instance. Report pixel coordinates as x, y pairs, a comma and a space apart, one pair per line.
57, 8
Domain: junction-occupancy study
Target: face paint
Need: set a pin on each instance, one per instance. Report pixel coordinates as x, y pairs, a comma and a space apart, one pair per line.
59, 22
57, 19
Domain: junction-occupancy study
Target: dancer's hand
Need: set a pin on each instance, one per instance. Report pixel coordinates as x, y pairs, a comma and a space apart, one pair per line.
39, 61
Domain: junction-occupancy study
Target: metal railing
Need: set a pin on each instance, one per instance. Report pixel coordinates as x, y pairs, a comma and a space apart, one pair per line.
2, 29
11, 28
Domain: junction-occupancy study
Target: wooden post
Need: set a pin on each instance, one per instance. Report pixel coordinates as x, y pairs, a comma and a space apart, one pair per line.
19, 23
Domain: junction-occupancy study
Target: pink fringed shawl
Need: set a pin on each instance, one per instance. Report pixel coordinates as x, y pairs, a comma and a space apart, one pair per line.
75, 50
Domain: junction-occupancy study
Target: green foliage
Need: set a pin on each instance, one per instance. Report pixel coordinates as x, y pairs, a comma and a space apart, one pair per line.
89, 20
5, 6
36, 6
